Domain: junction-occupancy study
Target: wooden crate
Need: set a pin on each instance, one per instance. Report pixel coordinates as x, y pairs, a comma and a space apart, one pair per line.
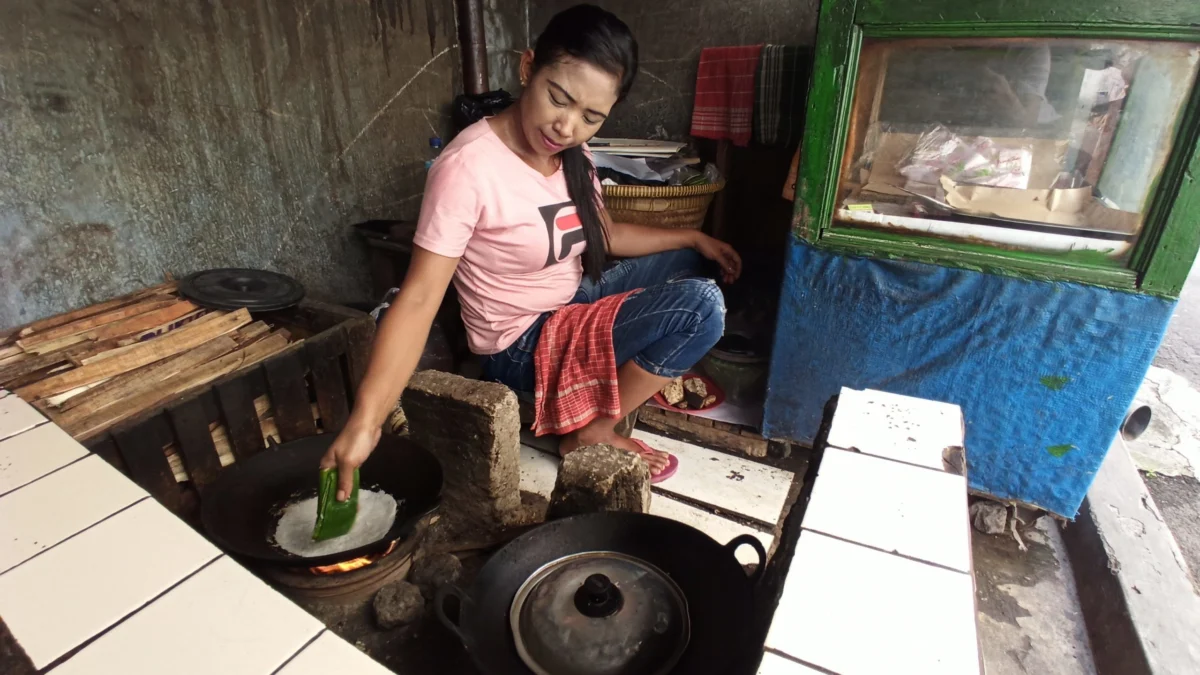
309, 387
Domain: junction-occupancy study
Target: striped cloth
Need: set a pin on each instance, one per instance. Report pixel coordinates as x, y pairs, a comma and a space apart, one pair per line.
724, 107
575, 367
782, 91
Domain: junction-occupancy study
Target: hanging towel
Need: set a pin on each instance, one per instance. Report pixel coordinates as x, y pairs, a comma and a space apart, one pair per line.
575, 367
781, 94
724, 107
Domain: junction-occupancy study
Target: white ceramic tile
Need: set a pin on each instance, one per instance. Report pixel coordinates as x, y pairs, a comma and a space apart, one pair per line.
777, 665
544, 443
858, 611
904, 428
26, 457
730, 483
721, 529
892, 506
58, 600
539, 471
46, 511
17, 416
222, 620
329, 655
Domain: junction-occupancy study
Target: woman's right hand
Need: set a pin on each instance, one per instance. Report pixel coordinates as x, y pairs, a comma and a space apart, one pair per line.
349, 450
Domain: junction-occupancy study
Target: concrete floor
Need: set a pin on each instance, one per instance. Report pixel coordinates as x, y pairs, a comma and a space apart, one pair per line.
1177, 427
1029, 618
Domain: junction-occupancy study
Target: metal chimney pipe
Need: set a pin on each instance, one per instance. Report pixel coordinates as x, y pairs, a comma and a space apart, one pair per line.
473, 44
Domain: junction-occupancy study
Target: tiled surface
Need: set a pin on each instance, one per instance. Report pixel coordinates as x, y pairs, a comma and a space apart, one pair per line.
724, 481
17, 416
899, 427
221, 620
777, 665
720, 529
45, 512
331, 655
857, 611
35, 453
72, 592
539, 471
892, 506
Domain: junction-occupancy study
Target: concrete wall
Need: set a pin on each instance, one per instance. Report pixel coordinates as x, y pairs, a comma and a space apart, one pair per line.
173, 135
670, 35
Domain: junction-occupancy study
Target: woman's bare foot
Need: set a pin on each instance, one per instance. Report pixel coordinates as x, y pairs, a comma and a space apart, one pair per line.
655, 459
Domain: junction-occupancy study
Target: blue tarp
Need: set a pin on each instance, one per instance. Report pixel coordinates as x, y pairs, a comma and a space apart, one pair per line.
1044, 371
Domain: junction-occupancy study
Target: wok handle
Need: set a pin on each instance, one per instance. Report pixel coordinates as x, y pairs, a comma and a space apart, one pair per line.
439, 606
753, 542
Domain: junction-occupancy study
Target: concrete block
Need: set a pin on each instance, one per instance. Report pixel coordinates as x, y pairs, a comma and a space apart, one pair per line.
1141, 610
600, 478
473, 428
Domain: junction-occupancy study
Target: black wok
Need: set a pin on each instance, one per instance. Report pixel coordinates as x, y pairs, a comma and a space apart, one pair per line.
719, 594
239, 510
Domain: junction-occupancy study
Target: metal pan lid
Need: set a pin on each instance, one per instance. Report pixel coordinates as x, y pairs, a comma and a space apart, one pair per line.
600, 613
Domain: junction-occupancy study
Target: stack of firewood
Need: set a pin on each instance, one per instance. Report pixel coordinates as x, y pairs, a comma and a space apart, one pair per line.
92, 368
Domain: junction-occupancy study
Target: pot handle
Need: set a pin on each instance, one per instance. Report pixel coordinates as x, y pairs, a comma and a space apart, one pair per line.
439, 606
753, 542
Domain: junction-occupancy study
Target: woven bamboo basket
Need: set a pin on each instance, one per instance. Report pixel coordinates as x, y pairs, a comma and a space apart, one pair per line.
667, 206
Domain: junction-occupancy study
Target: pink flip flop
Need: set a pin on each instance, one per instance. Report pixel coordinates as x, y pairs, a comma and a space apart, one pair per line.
672, 463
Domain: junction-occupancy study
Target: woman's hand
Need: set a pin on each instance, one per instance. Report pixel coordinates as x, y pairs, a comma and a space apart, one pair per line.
348, 452
722, 254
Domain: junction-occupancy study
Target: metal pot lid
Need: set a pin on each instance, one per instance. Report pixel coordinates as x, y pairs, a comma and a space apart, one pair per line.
600, 613
235, 288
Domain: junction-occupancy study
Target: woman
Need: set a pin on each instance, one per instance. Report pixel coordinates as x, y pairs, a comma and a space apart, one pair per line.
512, 214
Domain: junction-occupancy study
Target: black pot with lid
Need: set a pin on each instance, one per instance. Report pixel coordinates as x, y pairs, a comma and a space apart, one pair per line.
608, 594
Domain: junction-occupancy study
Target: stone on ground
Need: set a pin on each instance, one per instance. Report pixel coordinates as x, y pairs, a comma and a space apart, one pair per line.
989, 517
434, 570
600, 478
398, 604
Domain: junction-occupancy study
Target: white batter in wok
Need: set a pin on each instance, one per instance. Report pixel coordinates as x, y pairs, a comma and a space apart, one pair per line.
293, 532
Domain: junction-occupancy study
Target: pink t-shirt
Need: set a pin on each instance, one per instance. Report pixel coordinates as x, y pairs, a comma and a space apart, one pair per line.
515, 230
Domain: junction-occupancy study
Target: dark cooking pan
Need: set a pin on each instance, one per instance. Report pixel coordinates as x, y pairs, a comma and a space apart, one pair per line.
241, 507
697, 584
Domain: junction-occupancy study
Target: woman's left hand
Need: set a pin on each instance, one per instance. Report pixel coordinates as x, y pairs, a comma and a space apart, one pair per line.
722, 254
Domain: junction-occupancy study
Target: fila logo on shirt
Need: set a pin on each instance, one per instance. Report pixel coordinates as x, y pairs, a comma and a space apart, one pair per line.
564, 229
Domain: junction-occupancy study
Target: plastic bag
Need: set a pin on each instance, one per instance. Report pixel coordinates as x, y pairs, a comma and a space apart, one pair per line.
978, 161
470, 108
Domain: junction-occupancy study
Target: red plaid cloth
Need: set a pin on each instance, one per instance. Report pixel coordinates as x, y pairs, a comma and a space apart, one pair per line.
576, 367
724, 105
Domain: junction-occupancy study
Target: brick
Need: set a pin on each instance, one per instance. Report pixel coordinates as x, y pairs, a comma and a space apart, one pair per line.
600, 478
473, 428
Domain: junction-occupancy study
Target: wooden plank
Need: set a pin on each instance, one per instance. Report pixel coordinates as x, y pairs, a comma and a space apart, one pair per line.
236, 401
95, 321
35, 363
195, 442
324, 359
176, 386
10, 351
147, 377
170, 311
165, 327
247, 335
289, 396
208, 325
189, 337
61, 319
106, 448
359, 336
142, 449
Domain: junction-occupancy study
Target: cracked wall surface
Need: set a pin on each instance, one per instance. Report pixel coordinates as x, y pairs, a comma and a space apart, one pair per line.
145, 137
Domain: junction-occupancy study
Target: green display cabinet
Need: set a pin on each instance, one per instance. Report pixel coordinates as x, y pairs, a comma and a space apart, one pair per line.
997, 206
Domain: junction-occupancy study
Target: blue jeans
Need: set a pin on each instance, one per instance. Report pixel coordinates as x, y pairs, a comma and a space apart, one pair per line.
665, 328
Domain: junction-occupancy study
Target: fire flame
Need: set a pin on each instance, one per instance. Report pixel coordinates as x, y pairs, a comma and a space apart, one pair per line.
352, 564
